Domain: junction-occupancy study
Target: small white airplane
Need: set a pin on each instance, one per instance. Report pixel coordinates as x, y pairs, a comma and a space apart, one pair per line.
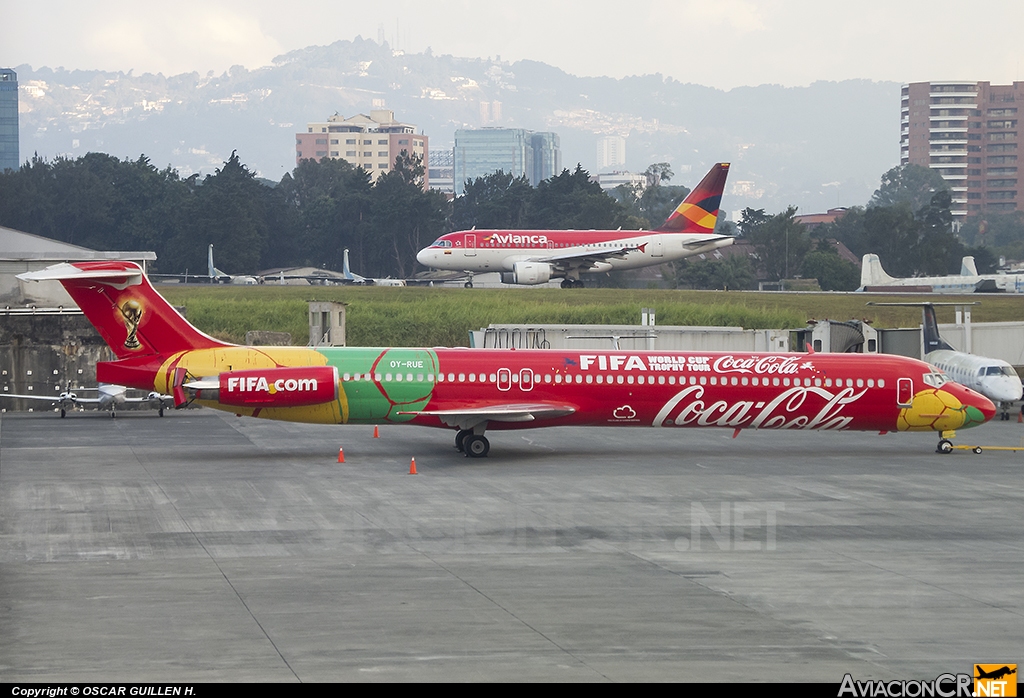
994, 378
968, 281
219, 277
109, 397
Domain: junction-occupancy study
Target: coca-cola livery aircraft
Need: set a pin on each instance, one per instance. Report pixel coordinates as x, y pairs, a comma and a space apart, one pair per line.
473, 390
537, 256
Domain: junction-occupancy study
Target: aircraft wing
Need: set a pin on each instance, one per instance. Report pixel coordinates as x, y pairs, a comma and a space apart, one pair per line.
152, 397
587, 258
47, 398
468, 417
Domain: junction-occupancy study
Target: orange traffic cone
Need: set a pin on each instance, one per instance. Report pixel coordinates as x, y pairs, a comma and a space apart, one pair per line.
376, 432
412, 467
341, 455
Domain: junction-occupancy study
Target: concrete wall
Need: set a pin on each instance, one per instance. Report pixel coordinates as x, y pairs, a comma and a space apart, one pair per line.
630, 337
42, 354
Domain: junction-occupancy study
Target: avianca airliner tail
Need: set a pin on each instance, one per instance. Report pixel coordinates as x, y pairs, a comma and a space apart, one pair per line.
537, 256
474, 390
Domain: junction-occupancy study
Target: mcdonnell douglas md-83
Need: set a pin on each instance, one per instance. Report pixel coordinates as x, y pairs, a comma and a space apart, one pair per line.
537, 256
474, 390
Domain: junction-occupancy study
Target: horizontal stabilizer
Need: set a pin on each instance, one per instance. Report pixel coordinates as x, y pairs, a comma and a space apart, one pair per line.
65, 271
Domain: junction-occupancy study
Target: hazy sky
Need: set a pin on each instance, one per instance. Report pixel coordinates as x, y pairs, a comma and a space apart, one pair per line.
722, 43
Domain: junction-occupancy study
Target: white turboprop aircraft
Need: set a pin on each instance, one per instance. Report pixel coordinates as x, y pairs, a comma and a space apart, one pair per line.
356, 279
994, 378
109, 397
968, 281
219, 277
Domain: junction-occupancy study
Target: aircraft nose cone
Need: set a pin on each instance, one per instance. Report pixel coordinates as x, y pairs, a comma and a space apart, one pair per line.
424, 256
1010, 390
977, 408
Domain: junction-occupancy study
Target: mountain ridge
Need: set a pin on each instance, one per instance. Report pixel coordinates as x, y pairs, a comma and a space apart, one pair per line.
816, 147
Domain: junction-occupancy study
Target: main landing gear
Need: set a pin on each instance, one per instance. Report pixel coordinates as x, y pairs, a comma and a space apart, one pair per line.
473, 445
572, 283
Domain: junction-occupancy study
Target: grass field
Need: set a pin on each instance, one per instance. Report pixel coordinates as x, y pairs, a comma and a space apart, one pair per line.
444, 316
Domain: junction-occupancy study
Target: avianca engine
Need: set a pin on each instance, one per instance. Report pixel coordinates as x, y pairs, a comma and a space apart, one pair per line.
474, 390
537, 256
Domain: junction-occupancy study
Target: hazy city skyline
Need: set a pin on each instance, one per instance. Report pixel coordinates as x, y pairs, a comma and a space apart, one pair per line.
725, 44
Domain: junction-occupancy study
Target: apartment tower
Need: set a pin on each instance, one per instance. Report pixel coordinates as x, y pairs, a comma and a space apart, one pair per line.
372, 142
967, 132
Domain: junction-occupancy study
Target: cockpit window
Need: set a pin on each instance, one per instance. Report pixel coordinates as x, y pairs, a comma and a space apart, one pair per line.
999, 371
442, 243
935, 379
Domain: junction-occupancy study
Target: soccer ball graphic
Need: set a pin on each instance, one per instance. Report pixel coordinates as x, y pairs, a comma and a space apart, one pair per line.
933, 409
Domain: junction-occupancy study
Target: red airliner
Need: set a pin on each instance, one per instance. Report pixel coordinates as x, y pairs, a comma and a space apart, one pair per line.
473, 390
537, 256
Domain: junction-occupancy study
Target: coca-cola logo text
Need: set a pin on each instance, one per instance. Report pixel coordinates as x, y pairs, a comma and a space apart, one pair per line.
794, 408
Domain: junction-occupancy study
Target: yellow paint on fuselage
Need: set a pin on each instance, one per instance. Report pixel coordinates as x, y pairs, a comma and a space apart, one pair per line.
209, 363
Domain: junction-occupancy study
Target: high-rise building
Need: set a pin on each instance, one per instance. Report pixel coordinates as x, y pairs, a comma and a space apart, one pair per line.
547, 156
9, 154
442, 172
372, 142
482, 152
967, 132
611, 152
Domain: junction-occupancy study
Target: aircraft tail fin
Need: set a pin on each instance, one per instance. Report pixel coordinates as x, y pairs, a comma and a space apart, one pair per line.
871, 272
932, 340
133, 319
345, 270
213, 271
967, 267
698, 213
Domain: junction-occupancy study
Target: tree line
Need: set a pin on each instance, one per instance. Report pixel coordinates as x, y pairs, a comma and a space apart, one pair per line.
306, 219
320, 208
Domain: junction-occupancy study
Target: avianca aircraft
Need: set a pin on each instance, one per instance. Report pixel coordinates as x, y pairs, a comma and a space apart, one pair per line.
537, 256
473, 390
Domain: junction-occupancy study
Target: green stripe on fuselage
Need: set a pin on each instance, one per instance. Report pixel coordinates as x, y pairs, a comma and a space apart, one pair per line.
399, 381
